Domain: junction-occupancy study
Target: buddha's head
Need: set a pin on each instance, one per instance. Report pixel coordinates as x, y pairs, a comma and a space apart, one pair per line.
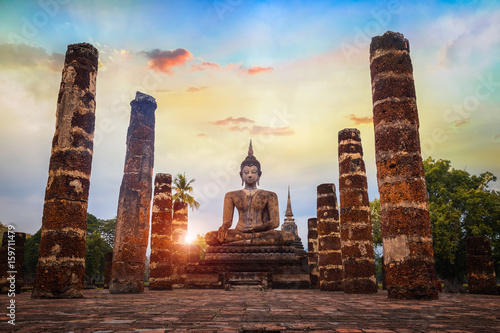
250, 168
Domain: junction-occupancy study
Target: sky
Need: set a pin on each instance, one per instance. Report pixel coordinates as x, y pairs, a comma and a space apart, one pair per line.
288, 75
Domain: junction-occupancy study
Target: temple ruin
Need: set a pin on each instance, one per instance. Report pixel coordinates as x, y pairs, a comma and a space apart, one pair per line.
290, 225
331, 271
406, 228
355, 222
160, 267
481, 276
132, 222
60, 270
312, 251
180, 254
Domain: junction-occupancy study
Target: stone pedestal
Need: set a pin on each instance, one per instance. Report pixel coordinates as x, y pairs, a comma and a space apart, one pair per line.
60, 271
250, 267
481, 276
406, 228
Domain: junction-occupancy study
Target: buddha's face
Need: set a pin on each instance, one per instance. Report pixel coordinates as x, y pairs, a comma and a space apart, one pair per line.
250, 175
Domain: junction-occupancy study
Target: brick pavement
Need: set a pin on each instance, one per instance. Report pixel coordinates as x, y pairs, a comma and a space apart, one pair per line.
252, 311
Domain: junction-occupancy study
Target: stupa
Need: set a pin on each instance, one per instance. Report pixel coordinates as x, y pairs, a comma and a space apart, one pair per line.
290, 225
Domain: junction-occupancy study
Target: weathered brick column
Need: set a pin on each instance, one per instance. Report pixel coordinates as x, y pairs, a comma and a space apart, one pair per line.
180, 249
312, 251
11, 262
406, 229
358, 257
480, 268
329, 246
132, 221
160, 268
60, 270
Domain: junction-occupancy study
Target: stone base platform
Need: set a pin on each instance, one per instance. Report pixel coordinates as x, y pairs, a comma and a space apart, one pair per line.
250, 268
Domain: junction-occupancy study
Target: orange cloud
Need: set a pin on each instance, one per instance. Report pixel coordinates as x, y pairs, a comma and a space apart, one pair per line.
462, 122
360, 120
196, 89
205, 66
164, 61
202, 135
231, 120
257, 69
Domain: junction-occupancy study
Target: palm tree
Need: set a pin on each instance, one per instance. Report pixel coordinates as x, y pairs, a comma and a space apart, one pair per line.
182, 189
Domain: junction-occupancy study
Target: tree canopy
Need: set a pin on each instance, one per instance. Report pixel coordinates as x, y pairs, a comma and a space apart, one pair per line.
183, 189
100, 239
460, 205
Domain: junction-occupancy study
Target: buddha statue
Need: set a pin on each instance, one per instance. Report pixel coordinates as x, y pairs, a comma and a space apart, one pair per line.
258, 213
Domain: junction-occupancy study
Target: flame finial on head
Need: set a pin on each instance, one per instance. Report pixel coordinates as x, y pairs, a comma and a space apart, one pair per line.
250, 160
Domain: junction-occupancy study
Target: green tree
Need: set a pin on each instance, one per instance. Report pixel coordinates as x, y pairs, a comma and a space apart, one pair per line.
460, 205
107, 230
183, 189
95, 254
31, 251
100, 238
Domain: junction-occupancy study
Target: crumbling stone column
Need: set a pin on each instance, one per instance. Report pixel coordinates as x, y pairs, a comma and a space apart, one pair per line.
329, 246
160, 268
355, 223
406, 228
11, 262
60, 270
312, 251
180, 249
480, 268
132, 221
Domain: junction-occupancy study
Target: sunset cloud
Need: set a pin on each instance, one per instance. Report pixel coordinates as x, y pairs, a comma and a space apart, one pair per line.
196, 89
164, 61
208, 66
231, 120
205, 66
360, 120
257, 70
462, 122
235, 125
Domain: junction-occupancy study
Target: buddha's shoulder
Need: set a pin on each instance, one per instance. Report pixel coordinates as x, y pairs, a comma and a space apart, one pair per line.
260, 192
268, 193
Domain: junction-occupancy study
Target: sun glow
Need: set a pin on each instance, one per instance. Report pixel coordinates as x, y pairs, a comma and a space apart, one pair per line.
189, 239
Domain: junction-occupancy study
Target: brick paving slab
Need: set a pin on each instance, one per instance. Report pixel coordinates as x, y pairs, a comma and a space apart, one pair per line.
183, 310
